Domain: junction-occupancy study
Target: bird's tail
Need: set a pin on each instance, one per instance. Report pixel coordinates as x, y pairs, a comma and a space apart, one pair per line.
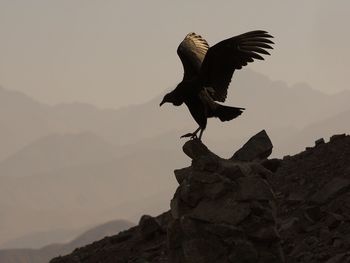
226, 113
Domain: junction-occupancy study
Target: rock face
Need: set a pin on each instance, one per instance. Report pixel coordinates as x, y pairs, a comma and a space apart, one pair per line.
258, 147
223, 211
313, 196
245, 209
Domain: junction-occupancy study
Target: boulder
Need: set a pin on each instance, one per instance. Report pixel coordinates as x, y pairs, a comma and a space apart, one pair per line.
259, 147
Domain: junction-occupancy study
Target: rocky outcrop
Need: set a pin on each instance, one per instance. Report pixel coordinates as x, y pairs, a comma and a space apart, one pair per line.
244, 209
223, 210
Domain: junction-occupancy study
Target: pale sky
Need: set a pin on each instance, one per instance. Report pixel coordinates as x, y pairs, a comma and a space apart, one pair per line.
113, 53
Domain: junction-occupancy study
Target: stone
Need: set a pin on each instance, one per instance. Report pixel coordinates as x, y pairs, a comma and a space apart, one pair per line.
258, 147
177, 206
206, 163
319, 142
339, 258
333, 220
272, 164
196, 149
331, 190
206, 177
289, 224
337, 137
216, 190
227, 211
232, 170
190, 193
254, 188
182, 174
202, 251
260, 232
148, 226
244, 252
313, 213
226, 231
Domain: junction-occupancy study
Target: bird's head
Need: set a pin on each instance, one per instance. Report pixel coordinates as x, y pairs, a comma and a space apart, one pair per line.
171, 97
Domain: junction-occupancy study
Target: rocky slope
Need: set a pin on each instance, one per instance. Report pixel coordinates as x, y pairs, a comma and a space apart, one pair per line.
245, 209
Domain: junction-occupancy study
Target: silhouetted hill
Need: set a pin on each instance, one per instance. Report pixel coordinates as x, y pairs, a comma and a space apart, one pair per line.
244, 209
44, 254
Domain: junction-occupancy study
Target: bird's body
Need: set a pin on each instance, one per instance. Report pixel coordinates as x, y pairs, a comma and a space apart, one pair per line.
208, 72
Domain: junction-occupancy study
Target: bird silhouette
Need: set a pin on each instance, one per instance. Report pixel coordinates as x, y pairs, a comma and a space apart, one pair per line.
208, 72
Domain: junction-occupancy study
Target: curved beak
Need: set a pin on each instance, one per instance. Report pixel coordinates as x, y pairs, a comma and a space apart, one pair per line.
161, 103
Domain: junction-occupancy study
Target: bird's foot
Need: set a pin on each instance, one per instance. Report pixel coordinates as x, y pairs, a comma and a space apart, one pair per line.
192, 135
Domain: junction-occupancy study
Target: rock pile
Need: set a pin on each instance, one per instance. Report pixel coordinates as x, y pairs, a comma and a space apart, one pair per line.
313, 193
245, 209
224, 210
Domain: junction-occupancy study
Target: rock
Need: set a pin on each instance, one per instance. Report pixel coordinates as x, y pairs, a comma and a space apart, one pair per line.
313, 213
182, 174
260, 232
319, 142
232, 170
271, 164
226, 211
340, 258
244, 252
226, 231
331, 190
254, 188
258, 147
196, 149
289, 223
333, 220
202, 251
337, 137
149, 226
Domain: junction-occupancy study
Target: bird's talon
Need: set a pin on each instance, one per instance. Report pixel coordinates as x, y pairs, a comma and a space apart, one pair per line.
191, 135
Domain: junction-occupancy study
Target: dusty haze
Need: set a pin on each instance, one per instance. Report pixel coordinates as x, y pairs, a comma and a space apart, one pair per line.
114, 53
83, 140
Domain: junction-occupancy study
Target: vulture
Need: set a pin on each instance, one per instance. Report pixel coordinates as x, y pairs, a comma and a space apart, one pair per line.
208, 72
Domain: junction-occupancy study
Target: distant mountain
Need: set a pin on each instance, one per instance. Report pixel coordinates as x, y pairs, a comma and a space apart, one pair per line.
36, 240
270, 104
23, 120
78, 196
44, 254
337, 124
75, 164
54, 152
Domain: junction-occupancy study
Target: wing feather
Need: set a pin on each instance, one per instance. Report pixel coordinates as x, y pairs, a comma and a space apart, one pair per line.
222, 59
192, 51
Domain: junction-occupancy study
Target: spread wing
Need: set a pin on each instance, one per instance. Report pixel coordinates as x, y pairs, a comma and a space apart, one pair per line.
192, 51
228, 55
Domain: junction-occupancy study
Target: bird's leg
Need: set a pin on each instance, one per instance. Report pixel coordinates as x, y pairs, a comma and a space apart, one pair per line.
200, 134
193, 135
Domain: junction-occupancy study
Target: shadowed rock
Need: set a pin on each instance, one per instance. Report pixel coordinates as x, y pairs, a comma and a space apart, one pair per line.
258, 147
224, 210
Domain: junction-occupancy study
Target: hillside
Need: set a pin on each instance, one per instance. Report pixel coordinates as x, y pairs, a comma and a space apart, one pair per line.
245, 208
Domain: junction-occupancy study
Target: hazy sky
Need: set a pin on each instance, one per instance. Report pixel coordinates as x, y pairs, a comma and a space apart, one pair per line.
113, 53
